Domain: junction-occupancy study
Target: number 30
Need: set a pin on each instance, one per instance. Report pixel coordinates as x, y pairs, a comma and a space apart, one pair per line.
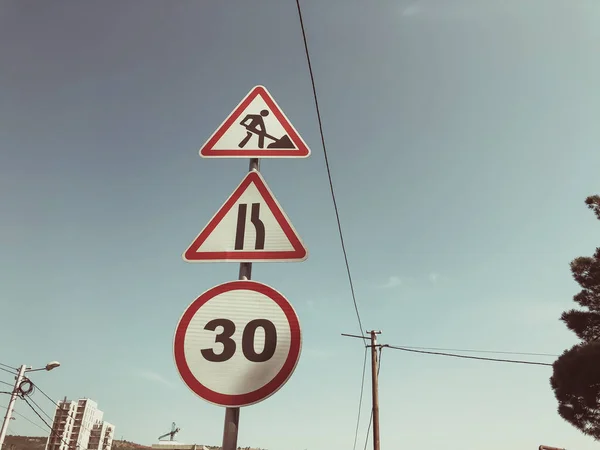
229, 345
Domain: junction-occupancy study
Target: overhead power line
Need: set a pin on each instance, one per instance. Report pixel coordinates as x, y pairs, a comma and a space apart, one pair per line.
27, 399
335, 207
8, 371
405, 349
37, 413
56, 404
43, 393
477, 351
7, 384
41, 409
362, 389
46, 423
26, 418
9, 367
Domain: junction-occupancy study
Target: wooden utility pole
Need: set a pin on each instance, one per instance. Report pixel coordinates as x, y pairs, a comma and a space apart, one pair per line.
375, 380
375, 385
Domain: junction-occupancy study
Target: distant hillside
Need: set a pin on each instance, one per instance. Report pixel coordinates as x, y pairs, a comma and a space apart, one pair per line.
39, 443
127, 445
24, 443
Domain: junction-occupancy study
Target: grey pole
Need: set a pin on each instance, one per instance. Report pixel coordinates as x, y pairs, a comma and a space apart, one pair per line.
232, 415
11, 404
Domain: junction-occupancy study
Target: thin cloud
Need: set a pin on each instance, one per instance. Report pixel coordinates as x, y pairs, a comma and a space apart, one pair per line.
392, 282
155, 377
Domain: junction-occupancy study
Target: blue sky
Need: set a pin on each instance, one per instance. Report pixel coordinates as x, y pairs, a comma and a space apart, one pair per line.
462, 138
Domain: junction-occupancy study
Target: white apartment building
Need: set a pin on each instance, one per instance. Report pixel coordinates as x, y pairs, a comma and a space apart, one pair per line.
101, 436
62, 427
79, 426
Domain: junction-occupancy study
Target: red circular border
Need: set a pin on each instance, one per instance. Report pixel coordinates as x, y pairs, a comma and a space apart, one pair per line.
261, 393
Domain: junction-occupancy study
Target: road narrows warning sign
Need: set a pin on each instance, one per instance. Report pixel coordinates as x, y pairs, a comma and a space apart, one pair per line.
257, 128
237, 343
249, 227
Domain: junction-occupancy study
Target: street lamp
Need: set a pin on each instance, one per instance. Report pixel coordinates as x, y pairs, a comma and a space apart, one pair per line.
15, 393
51, 365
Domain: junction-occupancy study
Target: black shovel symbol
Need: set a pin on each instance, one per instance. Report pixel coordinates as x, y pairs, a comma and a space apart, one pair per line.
255, 125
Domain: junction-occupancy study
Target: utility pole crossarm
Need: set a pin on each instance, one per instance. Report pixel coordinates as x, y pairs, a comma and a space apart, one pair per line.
355, 336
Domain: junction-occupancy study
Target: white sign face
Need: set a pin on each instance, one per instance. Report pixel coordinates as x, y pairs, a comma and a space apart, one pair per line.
238, 137
249, 227
238, 343
257, 128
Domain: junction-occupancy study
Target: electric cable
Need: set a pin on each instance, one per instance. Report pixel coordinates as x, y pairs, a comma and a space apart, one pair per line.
41, 418
25, 387
56, 404
8, 371
37, 414
8, 384
362, 388
43, 393
478, 351
9, 367
371, 419
335, 207
46, 423
479, 358
41, 409
26, 418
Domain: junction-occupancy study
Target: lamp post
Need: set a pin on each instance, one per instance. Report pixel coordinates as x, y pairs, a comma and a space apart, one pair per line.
15, 393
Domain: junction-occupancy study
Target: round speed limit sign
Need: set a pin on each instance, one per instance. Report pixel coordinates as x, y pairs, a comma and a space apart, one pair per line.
237, 343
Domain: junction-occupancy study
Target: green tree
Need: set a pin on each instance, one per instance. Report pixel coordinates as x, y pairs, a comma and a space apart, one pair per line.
576, 376
593, 203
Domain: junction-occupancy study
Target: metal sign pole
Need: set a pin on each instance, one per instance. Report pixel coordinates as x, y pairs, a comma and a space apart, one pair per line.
230, 430
232, 415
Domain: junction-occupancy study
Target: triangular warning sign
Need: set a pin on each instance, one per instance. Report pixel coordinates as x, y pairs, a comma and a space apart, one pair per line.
249, 227
257, 128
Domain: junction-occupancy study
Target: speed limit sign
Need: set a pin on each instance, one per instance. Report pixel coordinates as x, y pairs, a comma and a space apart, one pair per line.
237, 343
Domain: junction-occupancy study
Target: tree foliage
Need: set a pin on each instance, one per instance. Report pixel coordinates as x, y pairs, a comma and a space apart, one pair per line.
576, 376
576, 384
593, 203
586, 324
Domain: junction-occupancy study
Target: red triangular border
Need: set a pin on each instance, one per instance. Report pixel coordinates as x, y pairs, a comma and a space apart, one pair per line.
301, 150
298, 254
